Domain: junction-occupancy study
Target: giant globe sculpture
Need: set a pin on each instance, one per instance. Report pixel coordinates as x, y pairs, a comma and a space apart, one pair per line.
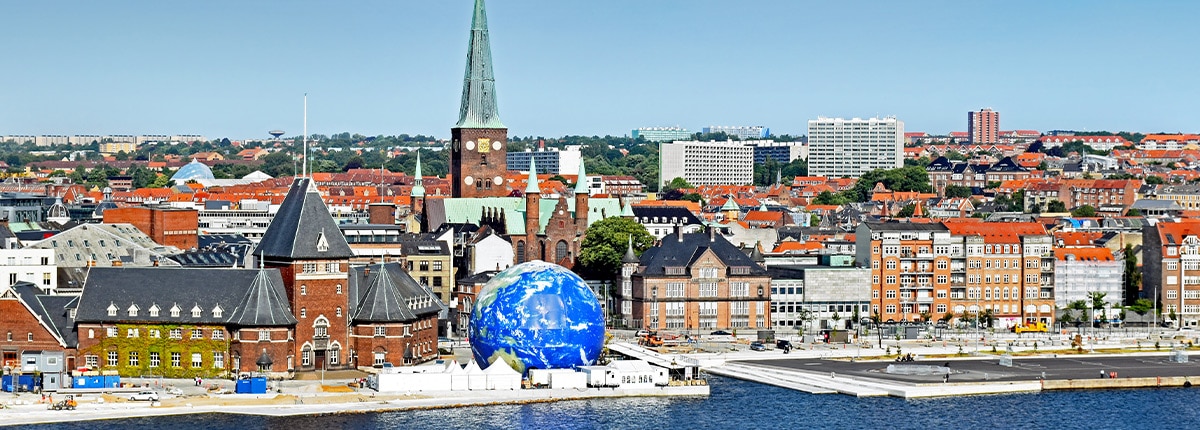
537, 315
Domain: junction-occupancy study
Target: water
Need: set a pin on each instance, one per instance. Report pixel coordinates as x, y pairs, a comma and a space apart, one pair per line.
736, 404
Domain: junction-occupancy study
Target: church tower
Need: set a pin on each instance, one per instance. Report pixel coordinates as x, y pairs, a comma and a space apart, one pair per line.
479, 141
531, 248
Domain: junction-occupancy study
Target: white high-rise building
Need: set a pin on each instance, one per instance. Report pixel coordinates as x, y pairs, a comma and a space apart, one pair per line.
839, 147
707, 163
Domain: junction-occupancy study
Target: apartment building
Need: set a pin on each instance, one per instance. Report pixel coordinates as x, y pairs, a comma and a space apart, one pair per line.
1099, 193
782, 152
910, 268
551, 160
662, 134
707, 163
740, 132
1007, 268
1100, 143
1170, 141
840, 147
1080, 271
1171, 269
983, 126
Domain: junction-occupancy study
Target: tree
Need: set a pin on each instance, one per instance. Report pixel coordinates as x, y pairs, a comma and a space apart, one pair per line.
1141, 306
1154, 180
678, 183
1133, 212
601, 251
1085, 211
903, 179
828, 198
1098, 304
1056, 206
957, 191
946, 317
1133, 277
906, 211
1079, 310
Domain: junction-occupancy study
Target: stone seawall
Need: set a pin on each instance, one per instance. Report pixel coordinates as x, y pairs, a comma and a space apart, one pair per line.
1091, 384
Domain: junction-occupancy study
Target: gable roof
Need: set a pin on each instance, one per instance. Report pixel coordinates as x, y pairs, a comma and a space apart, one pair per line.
674, 252
167, 287
303, 228
52, 311
265, 303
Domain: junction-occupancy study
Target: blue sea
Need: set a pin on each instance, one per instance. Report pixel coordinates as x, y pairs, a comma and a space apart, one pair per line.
737, 404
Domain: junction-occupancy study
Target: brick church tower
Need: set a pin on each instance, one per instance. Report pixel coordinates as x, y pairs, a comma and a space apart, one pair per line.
305, 244
479, 141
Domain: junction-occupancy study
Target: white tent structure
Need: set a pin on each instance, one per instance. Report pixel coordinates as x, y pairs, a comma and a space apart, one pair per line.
459, 379
501, 376
476, 379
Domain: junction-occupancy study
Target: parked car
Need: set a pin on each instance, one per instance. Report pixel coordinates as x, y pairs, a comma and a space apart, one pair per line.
757, 346
785, 345
641, 333
721, 333
144, 396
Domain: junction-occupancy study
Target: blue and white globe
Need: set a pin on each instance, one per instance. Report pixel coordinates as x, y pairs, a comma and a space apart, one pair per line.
537, 315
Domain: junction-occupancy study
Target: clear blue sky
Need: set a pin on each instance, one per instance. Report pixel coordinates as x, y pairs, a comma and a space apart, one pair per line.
238, 69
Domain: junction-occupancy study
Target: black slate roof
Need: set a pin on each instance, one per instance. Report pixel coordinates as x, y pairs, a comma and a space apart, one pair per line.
168, 287
675, 253
664, 214
303, 228
54, 311
385, 293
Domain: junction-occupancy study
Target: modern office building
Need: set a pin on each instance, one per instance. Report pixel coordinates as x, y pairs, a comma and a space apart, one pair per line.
983, 126
840, 147
549, 160
662, 134
707, 163
740, 132
781, 152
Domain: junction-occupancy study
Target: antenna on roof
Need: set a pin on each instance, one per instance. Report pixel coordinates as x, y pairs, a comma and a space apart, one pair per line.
304, 156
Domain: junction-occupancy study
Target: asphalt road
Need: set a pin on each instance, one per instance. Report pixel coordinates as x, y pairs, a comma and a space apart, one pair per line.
1023, 369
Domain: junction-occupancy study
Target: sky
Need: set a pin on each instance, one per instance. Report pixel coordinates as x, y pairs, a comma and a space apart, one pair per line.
238, 69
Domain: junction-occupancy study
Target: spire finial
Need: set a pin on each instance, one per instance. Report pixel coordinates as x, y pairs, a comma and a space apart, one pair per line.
478, 109
418, 189
532, 186
581, 183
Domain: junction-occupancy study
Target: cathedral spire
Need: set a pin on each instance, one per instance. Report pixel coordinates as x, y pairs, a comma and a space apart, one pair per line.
532, 186
418, 189
478, 109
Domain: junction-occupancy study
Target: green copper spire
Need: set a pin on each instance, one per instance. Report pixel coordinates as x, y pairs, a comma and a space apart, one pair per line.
418, 189
532, 187
581, 183
478, 108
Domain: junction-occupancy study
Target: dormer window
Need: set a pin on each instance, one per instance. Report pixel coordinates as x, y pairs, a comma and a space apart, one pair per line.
217, 311
175, 311
322, 243
133, 310
154, 310
112, 310
196, 311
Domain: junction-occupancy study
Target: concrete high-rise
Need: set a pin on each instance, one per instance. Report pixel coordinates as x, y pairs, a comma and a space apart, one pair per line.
849, 148
983, 126
479, 141
707, 163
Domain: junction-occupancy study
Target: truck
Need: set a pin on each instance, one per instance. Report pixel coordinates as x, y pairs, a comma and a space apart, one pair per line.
1031, 327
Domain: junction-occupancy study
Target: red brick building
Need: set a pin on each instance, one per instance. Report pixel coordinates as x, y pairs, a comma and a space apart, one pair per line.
166, 226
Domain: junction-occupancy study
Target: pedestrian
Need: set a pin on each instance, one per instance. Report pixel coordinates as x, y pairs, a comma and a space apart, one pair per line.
1102, 374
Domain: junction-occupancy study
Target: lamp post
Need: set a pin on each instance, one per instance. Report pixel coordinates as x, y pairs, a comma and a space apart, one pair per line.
654, 305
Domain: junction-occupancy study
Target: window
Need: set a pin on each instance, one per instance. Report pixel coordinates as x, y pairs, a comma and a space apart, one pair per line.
309, 268
306, 356
133, 332
218, 312
112, 358
154, 310
891, 279
218, 334
176, 359
133, 359
941, 279
175, 311
303, 290
196, 312
942, 264
176, 333
437, 265
339, 311
264, 335
332, 267
155, 334
197, 334
155, 360
424, 266
891, 294
1171, 265
708, 289
112, 309
941, 308
675, 289
92, 361
891, 265
112, 332
379, 358
303, 313
339, 288
891, 309
739, 289
29, 337
380, 331
218, 360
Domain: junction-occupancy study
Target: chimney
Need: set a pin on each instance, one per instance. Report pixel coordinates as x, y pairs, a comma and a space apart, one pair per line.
679, 232
712, 234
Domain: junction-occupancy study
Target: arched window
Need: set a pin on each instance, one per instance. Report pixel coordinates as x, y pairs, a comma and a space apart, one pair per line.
335, 350
306, 356
560, 251
520, 251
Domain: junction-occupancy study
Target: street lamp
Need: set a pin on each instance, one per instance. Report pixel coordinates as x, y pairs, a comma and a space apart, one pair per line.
654, 305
